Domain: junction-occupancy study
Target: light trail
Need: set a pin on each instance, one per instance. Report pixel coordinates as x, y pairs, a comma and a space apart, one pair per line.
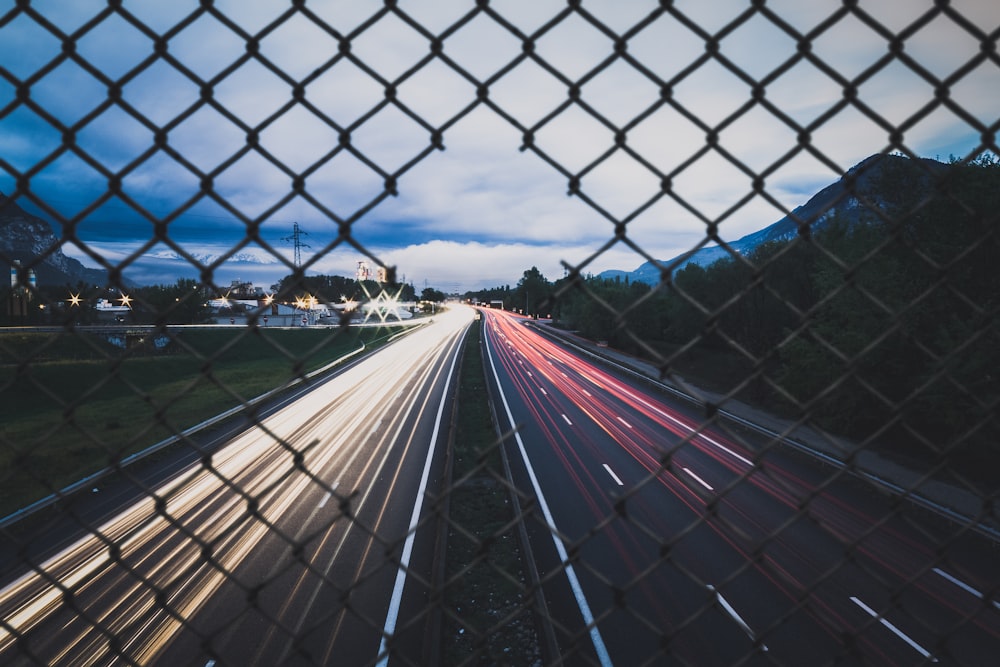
563, 386
581, 600
253, 485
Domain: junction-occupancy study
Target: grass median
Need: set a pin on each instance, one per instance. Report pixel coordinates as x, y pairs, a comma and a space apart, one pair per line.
488, 621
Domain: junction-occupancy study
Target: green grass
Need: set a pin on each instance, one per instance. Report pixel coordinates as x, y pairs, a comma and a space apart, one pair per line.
73, 404
488, 621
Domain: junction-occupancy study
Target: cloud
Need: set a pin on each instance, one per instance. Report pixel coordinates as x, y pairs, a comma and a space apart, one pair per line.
488, 205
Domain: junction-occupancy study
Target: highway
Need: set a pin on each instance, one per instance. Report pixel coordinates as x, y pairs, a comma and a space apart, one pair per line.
663, 541
300, 541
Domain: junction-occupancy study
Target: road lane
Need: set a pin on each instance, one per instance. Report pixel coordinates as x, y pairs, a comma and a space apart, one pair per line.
772, 544
273, 548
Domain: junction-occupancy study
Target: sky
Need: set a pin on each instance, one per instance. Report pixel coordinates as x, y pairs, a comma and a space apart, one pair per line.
485, 208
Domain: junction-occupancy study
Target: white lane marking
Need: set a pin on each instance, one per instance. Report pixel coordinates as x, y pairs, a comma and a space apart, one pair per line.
587, 393
627, 425
404, 562
734, 615
896, 631
567, 420
210, 663
574, 583
964, 586
698, 479
544, 393
329, 494
613, 475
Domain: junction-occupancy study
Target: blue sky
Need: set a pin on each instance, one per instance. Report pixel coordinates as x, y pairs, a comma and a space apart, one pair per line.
481, 211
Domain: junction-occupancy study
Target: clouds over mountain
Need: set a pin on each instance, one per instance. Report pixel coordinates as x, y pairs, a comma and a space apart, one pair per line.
357, 131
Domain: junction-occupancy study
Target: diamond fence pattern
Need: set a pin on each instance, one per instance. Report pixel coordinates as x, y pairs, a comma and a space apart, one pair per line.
819, 326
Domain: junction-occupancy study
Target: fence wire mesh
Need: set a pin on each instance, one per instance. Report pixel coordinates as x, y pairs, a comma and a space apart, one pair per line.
824, 493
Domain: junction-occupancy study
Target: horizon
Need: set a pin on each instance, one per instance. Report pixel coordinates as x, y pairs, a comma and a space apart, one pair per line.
479, 207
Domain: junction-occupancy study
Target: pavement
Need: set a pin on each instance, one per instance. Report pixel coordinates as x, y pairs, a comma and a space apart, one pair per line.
940, 492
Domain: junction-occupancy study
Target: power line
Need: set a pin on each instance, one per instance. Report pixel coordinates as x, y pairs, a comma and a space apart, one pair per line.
296, 239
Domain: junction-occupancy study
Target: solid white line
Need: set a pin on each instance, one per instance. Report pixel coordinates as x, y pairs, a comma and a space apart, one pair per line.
698, 479
734, 615
627, 425
964, 586
567, 420
574, 583
613, 475
404, 562
896, 631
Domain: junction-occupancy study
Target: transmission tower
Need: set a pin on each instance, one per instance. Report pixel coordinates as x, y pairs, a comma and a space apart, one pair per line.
296, 239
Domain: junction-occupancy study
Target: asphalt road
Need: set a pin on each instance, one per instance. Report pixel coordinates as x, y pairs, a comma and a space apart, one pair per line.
660, 540
300, 541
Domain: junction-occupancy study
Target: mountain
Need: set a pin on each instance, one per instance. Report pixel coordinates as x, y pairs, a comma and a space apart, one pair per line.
839, 199
24, 237
251, 255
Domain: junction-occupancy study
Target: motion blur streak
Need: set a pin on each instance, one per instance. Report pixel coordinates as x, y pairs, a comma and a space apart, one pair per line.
696, 529
235, 524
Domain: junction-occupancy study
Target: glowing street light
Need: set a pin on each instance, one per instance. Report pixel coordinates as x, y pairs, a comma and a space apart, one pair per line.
74, 299
126, 300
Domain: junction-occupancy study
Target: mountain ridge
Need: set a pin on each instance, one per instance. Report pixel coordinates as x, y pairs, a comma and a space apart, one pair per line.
840, 198
25, 237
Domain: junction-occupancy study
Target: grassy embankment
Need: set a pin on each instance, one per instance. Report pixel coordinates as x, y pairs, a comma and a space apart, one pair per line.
487, 619
71, 405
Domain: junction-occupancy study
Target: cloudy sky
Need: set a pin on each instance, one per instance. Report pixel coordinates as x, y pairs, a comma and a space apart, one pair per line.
483, 209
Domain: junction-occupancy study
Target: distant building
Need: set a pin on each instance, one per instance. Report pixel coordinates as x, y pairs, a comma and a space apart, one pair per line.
108, 311
20, 295
239, 290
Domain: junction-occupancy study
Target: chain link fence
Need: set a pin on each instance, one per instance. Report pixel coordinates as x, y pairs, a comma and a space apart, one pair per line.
858, 343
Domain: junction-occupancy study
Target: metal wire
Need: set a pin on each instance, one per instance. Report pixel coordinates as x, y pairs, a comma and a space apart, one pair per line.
839, 351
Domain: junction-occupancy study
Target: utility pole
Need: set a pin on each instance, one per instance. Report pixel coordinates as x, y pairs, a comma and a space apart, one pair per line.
296, 239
